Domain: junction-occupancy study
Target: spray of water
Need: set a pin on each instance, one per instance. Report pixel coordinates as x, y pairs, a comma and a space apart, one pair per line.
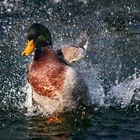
102, 67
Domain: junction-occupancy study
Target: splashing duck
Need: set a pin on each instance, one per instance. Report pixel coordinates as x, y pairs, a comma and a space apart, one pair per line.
56, 86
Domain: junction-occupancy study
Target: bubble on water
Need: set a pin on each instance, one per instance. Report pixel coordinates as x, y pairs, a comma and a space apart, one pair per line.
56, 1
84, 1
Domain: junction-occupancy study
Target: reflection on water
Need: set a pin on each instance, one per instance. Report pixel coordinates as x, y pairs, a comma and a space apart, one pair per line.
39, 127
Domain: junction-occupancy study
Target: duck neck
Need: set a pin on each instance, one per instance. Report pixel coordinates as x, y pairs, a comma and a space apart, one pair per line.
43, 53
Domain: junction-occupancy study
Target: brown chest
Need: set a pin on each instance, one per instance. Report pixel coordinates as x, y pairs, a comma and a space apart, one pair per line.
47, 79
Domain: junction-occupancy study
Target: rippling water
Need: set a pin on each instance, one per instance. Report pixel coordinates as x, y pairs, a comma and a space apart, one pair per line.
110, 68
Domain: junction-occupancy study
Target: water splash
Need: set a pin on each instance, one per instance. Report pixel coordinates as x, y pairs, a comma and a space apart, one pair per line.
28, 100
104, 69
123, 93
91, 76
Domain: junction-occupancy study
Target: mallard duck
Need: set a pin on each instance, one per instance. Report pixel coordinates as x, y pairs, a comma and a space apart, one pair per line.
56, 86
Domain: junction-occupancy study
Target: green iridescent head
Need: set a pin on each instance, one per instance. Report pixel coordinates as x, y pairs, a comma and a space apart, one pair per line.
38, 37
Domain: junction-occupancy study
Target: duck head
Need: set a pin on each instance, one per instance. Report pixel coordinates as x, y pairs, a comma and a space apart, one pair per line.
38, 38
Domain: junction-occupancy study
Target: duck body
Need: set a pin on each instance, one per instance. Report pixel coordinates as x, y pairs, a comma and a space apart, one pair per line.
56, 86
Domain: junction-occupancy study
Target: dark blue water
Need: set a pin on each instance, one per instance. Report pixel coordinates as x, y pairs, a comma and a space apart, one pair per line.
110, 68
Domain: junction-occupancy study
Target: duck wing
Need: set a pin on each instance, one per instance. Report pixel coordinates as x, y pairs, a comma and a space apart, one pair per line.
71, 53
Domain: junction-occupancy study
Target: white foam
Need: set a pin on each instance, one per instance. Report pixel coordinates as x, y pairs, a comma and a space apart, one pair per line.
123, 93
28, 100
91, 77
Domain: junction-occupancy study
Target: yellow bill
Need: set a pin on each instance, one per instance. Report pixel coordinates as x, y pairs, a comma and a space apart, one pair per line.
29, 48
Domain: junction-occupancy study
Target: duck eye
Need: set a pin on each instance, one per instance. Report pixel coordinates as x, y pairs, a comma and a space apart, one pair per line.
30, 37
